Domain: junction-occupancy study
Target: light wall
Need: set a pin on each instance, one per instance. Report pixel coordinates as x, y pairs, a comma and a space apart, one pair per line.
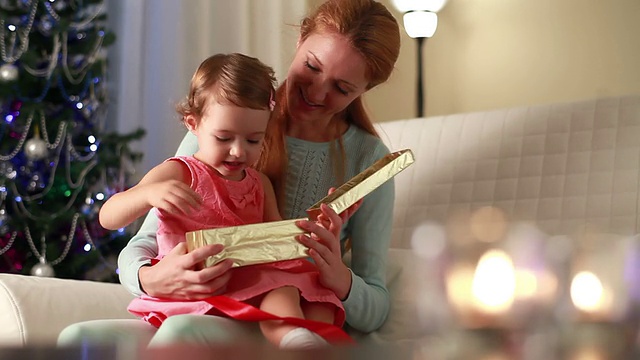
500, 53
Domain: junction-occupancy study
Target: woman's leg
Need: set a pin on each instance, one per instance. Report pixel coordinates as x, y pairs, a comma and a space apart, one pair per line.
204, 330
123, 332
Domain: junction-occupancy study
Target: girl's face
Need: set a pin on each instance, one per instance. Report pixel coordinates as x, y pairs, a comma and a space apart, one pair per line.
326, 75
229, 137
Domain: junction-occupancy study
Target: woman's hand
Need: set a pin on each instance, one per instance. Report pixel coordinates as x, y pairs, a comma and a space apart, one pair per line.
174, 276
344, 215
324, 248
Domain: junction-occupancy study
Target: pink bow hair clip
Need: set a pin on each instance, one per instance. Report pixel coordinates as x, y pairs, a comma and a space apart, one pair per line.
272, 102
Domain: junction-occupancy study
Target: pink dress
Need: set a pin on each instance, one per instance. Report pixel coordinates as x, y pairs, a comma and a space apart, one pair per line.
229, 203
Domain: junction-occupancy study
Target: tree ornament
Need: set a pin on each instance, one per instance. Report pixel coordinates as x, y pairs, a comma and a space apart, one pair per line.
8, 73
36, 149
43, 269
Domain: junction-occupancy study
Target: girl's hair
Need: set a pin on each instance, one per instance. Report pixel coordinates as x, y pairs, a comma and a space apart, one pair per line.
234, 79
375, 34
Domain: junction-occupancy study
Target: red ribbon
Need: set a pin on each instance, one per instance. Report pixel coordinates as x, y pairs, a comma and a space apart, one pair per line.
245, 312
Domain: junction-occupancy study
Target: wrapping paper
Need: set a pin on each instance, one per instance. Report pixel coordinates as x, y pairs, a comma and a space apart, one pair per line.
275, 241
251, 244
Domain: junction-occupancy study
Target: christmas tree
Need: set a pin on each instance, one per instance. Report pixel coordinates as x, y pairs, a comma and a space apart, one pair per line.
57, 161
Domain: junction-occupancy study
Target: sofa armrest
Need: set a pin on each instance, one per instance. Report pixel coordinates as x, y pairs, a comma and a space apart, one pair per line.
33, 310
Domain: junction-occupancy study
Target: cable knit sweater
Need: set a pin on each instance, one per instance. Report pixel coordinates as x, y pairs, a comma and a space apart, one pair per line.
309, 178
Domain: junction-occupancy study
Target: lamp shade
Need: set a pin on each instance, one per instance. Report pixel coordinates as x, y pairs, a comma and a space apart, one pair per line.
420, 24
424, 5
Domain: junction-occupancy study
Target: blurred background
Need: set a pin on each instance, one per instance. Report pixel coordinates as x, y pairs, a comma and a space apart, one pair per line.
484, 55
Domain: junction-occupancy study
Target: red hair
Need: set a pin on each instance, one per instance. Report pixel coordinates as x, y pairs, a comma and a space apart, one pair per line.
374, 33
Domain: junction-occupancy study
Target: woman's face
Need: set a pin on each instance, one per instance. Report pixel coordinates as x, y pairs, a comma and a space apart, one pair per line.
326, 75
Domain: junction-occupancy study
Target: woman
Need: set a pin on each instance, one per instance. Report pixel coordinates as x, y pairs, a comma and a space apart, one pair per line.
319, 137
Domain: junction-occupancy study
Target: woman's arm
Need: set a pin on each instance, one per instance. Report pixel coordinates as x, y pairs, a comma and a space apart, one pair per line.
138, 253
362, 290
367, 305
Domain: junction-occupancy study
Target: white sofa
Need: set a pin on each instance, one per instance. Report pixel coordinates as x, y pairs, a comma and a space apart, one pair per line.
565, 167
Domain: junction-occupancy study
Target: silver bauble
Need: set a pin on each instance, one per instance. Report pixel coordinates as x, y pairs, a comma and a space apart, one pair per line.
8, 73
35, 149
43, 269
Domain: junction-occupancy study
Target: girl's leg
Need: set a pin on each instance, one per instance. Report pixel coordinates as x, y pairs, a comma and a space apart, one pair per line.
204, 330
284, 302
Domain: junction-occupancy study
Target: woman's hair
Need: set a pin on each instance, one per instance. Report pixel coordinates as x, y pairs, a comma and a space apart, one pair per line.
374, 33
234, 79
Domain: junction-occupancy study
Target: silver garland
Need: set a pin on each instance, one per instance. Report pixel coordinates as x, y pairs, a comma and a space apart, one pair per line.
8, 245
22, 34
62, 130
82, 69
84, 171
42, 253
87, 21
53, 61
87, 236
18, 147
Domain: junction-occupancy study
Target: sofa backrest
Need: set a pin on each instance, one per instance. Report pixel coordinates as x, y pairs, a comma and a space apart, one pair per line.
565, 167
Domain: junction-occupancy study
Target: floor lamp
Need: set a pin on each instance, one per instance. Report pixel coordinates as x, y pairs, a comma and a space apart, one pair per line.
420, 22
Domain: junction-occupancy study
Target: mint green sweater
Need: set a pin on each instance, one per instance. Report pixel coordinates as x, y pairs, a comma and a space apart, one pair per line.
309, 178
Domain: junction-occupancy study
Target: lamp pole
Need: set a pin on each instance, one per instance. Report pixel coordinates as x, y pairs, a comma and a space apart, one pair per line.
419, 85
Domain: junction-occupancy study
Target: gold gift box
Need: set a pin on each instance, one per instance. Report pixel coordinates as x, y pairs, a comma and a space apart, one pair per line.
275, 241
251, 244
365, 182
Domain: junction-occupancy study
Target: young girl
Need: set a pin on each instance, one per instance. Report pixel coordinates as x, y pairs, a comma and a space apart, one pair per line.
228, 107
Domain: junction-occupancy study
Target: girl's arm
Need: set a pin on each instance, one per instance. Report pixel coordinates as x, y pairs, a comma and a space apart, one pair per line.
165, 187
271, 212
134, 261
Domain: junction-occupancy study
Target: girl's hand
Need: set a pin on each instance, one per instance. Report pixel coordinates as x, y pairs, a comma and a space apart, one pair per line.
173, 196
174, 276
324, 248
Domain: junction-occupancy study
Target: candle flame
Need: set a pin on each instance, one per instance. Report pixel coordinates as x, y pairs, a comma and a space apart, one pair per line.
587, 292
494, 282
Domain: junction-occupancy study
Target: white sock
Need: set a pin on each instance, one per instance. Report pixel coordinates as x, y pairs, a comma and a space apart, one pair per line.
301, 338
